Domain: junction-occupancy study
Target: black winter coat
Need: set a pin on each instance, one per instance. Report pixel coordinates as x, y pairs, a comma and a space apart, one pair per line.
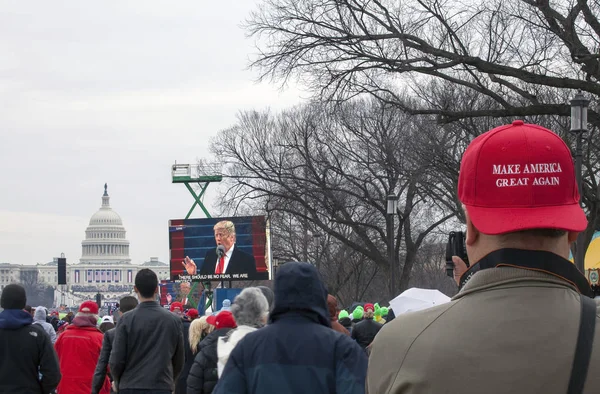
25, 353
181, 387
203, 376
365, 331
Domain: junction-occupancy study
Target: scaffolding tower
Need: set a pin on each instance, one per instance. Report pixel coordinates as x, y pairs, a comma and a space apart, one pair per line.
202, 174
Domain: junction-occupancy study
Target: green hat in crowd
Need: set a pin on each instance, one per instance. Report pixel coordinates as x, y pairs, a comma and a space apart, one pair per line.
358, 312
384, 311
343, 313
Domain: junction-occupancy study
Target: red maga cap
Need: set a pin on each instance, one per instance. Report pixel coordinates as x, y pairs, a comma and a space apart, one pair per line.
89, 307
519, 177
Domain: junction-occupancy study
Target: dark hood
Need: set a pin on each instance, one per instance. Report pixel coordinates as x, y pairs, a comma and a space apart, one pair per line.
12, 319
299, 290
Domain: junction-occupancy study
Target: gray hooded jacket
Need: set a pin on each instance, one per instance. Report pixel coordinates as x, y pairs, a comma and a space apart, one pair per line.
39, 317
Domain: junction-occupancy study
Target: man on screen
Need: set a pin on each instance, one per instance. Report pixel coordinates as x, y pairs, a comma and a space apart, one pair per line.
235, 261
185, 296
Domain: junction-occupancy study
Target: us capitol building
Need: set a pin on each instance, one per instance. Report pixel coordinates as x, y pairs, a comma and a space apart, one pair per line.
104, 267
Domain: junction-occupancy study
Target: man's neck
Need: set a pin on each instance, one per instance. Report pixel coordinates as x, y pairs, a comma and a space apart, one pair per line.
230, 250
146, 299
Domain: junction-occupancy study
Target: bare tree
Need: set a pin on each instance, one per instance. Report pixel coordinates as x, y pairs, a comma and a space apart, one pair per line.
453, 60
37, 292
333, 168
516, 56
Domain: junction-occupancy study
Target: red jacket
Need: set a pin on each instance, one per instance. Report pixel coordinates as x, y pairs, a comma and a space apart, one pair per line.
78, 350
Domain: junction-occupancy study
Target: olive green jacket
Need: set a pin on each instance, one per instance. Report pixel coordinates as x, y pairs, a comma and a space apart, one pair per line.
509, 330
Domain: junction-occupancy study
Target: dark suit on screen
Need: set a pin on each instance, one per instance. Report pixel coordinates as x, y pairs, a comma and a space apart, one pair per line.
239, 263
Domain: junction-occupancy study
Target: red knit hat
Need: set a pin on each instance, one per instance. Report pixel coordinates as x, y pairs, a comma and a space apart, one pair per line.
176, 305
369, 306
89, 307
223, 319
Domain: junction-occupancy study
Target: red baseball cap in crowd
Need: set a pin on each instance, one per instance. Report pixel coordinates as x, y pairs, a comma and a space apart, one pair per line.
192, 313
370, 307
89, 307
520, 177
176, 305
223, 319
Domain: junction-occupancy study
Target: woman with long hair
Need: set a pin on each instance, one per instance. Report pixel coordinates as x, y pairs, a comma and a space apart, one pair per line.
199, 329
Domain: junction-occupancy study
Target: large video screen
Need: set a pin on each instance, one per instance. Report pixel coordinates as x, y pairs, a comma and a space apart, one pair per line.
235, 248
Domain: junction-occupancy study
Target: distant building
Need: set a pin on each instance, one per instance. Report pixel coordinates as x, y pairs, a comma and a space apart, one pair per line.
104, 266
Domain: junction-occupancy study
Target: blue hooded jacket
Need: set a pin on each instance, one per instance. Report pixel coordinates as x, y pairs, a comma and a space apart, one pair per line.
11, 319
297, 352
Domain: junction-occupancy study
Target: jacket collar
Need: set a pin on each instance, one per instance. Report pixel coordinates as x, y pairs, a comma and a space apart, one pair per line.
500, 276
529, 265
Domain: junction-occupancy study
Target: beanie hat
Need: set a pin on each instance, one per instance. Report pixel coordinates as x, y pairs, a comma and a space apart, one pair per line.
192, 313
369, 307
89, 307
343, 313
384, 311
226, 305
357, 314
222, 320
13, 297
176, 305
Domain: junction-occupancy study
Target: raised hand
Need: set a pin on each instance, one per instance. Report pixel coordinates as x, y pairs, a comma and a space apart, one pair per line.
189, 266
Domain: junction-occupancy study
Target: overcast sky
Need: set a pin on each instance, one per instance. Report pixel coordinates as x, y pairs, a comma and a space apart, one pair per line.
95, 92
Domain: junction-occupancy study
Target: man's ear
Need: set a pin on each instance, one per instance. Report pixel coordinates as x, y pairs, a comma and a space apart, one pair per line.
573, 236
472, 232
157, 290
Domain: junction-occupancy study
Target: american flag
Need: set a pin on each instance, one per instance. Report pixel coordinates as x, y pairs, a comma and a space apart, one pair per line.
90, 275
109, 276
97, 275
116, 276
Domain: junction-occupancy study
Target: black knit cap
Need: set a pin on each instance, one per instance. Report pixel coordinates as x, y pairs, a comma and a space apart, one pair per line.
13, 297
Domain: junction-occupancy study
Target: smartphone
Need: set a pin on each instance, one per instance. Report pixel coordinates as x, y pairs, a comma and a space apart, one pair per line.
456, 246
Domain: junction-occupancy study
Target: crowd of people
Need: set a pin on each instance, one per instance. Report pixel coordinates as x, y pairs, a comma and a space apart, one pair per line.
522, 321
155, 350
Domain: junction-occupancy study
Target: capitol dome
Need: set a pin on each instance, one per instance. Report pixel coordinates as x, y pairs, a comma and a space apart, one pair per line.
105, 240
106, 216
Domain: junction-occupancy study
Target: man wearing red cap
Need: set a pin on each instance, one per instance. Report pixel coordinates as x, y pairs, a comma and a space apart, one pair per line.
523, 320
78, 350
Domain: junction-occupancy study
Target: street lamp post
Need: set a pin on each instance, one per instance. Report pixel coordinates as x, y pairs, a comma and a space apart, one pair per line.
579, 108
392, 207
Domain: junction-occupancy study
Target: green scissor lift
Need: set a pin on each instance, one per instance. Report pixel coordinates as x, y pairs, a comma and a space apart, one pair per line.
202, 175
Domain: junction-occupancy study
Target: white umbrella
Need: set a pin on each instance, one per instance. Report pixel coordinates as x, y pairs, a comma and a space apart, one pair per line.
417, 299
